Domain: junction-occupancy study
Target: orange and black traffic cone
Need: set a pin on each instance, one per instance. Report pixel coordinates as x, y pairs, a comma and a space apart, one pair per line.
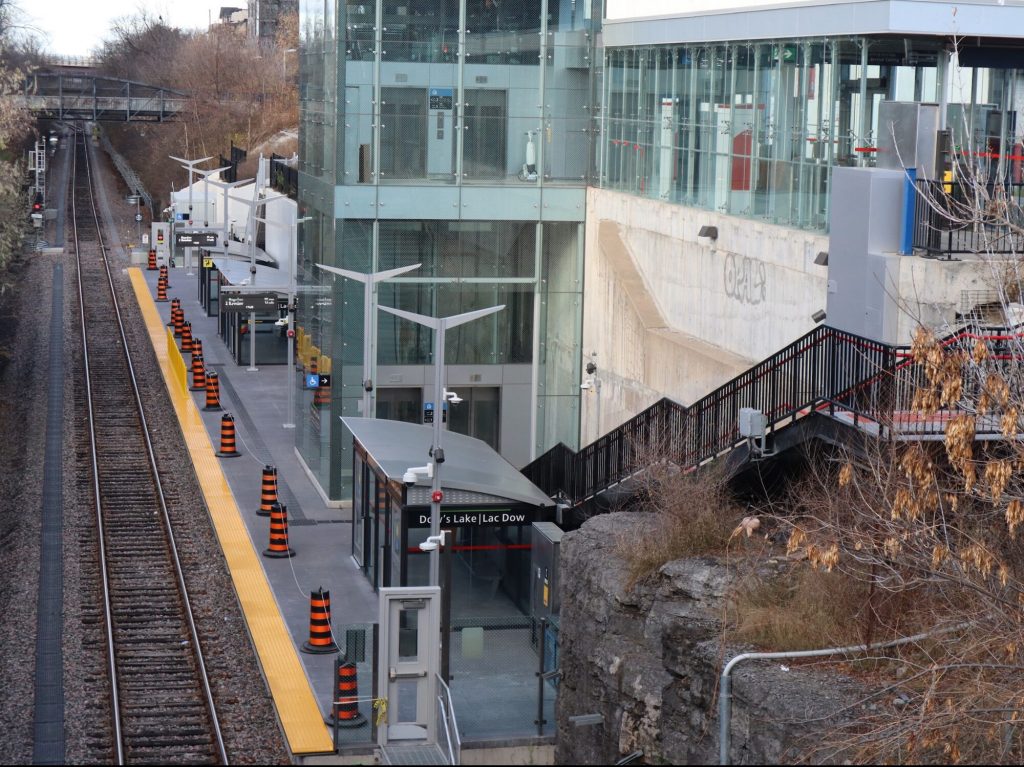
279, 547
227, 437
179, 322
161, 290
186, 338
163, 273
175, 308
322, 396
198, 374
197, 347
345, 707
320, 641
151, 261
268, 492
212, 391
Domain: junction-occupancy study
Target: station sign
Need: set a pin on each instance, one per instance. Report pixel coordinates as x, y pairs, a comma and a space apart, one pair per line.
195, 239
314, 381
428, 412
469, 518
248, 302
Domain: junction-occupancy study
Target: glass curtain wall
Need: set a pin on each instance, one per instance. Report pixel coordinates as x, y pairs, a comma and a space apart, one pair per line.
459, 93
754, 129
446, 91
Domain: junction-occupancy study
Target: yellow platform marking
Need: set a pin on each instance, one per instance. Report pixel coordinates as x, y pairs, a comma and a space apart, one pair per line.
296, 705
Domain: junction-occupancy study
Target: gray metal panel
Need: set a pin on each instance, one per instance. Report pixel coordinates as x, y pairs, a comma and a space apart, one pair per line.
564, 204
907, 133
356, 201
823, 19
418, 202
865, 231
502, 203
470, 464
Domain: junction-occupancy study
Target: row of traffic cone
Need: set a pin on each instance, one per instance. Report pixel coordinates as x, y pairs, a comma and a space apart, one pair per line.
345, 708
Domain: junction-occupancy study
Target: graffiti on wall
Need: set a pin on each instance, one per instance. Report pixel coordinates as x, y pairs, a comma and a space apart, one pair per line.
745, 279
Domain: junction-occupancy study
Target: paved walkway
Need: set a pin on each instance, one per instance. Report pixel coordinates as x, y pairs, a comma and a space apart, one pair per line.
319, 534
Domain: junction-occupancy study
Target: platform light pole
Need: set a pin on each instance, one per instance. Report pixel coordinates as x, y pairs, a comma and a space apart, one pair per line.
292, 254
191, 165
440, 325
369, 323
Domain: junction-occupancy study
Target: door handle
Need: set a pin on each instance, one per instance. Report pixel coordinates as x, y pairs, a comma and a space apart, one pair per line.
393, 674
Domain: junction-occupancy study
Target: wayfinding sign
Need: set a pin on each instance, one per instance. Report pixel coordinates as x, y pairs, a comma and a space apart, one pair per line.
195, 239
248, 302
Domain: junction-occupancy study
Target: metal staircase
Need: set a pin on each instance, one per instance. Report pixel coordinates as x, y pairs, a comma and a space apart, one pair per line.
857, 382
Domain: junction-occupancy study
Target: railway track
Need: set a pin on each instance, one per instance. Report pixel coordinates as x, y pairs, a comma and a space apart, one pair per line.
162, 707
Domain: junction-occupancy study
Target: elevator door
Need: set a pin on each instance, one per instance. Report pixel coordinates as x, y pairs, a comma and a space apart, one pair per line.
479, 413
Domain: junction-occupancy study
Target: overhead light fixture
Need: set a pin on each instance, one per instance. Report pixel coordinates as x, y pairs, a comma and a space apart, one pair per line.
822, 258
708, 232
819, 315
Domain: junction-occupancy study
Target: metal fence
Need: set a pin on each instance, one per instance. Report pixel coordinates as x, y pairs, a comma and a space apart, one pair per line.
952, 218
826, 371
494, 664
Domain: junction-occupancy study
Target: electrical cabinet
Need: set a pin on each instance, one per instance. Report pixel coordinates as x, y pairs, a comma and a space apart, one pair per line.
544, 591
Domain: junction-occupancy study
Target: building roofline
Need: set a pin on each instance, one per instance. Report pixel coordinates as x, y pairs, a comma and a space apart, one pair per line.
824, 18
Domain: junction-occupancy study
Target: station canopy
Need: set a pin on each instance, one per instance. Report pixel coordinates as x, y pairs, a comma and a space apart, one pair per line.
236, 273
470, 466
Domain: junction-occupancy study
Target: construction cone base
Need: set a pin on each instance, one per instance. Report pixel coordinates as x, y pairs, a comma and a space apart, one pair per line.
279, 554
359, 721
319, 649
213, 407
233, 454
262, 513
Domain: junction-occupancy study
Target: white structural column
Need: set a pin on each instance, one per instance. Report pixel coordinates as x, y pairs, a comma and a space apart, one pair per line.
369, 325
440, 325
191, 165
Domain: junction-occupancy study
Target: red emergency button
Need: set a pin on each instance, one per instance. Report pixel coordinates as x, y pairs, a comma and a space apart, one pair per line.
437, 496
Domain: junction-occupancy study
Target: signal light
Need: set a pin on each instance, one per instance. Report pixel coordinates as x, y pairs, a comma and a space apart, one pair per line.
437, 496
37, 203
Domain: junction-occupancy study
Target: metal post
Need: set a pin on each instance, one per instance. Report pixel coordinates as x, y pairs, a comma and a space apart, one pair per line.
435, 484
289, 417
540, 677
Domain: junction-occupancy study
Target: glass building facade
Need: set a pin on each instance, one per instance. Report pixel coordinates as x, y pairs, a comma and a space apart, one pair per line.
754, 129
454, 134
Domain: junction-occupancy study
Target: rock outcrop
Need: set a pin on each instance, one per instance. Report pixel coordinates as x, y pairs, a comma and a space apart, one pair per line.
648, 659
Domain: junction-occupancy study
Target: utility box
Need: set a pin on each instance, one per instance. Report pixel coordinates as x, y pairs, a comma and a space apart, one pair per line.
753, 423
546, 542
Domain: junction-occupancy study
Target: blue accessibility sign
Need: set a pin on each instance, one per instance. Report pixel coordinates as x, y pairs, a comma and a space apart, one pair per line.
312, 381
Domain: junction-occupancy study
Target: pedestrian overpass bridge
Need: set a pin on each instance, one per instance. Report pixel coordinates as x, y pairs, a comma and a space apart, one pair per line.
77, 95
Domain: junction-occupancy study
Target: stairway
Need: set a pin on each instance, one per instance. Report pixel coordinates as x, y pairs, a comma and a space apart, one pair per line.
857, 382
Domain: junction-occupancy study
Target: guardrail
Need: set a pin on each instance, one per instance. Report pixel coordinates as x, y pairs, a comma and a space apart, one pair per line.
447, 726
952, 218
827, 371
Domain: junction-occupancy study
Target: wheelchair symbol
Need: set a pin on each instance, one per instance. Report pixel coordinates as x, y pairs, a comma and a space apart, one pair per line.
312, 381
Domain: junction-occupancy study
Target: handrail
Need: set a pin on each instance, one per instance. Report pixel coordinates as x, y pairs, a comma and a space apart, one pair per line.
827, 370
447, 722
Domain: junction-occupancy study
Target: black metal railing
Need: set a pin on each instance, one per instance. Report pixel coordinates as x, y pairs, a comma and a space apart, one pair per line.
953, 218
830, 371
283, 177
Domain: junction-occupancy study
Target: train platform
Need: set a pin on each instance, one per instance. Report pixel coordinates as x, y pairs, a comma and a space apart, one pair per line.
274, 593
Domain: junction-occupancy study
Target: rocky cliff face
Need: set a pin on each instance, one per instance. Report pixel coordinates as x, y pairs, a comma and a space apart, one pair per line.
648, 660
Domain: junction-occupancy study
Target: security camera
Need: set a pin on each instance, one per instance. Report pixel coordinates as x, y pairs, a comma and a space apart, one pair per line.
428, 545
409, 478
454, 398
586, 385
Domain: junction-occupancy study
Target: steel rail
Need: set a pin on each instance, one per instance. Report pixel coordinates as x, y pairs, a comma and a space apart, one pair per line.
165, 516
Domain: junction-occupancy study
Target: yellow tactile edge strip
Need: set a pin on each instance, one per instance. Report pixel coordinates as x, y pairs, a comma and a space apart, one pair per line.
296, 705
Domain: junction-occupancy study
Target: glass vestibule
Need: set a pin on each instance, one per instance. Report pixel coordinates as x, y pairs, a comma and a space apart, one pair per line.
754, 129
